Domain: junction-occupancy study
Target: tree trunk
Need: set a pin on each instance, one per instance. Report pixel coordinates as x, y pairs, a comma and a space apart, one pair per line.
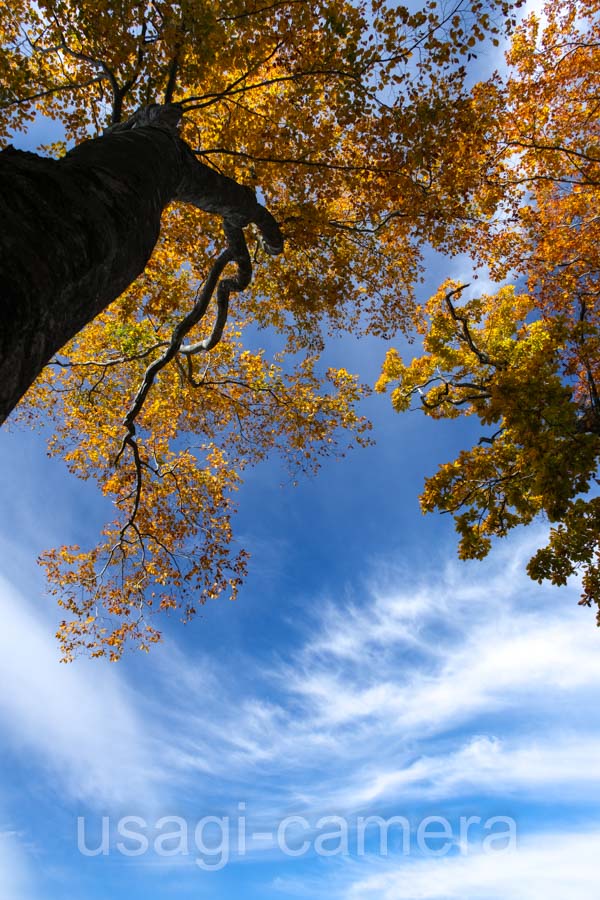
77, 231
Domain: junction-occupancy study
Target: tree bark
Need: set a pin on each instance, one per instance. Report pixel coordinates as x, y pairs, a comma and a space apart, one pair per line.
77, 231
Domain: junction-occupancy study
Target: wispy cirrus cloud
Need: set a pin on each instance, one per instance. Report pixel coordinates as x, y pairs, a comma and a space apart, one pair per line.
425, 688
461, 688
552, 865
532, 766
77, 722
15, 870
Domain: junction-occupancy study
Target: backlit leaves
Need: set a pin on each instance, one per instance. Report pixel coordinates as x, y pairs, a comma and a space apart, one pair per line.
527, 365
355, 123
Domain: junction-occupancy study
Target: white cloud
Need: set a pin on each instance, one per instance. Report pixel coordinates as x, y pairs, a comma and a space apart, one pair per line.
78, 721
431, 656
14, 868
549, 866
386, 696
469, 682
488, 765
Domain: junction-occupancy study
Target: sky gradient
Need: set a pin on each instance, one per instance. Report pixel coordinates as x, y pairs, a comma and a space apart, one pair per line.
363, 672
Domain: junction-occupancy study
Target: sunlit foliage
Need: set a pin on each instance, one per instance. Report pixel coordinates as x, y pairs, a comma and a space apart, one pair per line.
355, 122
526, 361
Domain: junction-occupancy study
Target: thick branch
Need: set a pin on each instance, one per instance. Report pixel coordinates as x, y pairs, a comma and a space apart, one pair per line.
83, 227
464, 325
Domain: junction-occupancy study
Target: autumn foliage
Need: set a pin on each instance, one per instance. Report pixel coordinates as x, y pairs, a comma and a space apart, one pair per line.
362, 129
525, 360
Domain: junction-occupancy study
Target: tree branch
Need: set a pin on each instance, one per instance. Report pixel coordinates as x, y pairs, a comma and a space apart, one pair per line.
480, 354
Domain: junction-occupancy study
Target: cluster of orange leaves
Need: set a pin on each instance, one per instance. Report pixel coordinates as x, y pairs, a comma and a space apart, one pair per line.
526, 360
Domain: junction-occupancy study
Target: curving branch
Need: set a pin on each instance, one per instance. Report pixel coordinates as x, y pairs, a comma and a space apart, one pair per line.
91, 220
236, 251
209, 191
481, 355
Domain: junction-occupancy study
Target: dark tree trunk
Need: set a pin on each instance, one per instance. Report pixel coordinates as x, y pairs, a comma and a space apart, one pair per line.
76, 232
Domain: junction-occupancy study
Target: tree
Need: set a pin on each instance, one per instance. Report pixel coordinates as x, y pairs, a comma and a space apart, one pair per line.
526, 359
90, 222
352, 120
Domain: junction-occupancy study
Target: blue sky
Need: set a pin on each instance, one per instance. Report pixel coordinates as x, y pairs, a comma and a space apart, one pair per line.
363, 672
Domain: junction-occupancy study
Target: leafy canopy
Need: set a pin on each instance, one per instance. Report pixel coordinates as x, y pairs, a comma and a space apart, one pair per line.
526, 361
356, 123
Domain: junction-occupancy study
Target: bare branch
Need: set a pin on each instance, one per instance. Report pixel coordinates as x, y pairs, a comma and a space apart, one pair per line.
70, 86
462, 320
192, 318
